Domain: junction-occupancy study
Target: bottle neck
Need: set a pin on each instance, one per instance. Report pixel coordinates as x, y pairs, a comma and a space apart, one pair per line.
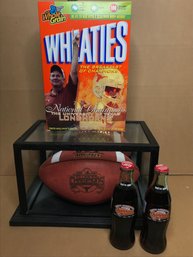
126, 177
160, 181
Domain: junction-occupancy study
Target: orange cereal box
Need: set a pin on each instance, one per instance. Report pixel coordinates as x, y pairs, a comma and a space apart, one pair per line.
85, 59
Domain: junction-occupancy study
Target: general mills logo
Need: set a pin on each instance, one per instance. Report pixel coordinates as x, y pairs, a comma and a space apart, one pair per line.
87, 181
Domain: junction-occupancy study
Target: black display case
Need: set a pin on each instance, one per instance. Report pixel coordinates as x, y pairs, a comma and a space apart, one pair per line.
38, 206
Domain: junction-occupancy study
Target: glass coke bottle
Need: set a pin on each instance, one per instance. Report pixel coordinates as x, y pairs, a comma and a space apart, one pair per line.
157, 212
124, 209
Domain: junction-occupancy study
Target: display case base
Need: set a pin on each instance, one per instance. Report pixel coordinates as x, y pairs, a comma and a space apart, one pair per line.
48, 209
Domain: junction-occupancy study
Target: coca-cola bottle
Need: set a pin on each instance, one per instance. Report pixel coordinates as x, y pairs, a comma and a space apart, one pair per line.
157, 212
124, 209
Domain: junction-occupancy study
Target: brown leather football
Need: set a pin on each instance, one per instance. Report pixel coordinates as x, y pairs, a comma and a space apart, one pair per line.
84, 177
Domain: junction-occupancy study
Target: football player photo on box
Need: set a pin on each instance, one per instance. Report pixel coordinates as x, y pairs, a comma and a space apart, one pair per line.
85, 60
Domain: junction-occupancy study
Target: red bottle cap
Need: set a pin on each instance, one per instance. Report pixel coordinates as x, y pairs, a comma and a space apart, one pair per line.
161, 168
127, 165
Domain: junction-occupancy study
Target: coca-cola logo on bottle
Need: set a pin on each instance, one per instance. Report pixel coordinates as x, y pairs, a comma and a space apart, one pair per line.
159, 214
123, 210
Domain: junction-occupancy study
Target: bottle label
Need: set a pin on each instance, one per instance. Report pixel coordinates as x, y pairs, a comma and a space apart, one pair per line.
123, 210
159, 214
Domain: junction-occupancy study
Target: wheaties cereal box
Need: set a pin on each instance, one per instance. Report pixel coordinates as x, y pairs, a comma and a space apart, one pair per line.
85, 60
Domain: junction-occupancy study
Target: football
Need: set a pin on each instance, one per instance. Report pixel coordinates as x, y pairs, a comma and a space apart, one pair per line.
84, 177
